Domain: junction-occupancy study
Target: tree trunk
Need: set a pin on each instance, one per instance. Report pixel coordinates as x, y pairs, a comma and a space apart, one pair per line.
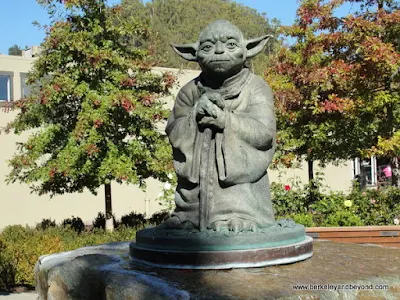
109, 217
312, 186
310, 171
394, 165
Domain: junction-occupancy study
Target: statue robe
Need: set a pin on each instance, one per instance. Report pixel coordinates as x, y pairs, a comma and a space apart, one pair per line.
223, 174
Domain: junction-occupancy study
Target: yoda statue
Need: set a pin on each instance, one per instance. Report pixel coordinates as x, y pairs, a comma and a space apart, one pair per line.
222, 131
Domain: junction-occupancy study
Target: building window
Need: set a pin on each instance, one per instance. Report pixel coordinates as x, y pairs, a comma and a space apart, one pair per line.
6, 86
25, 88
374, 171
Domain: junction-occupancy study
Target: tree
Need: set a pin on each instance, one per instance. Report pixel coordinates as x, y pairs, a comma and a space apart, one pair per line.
95, 106
374, 55
15, 50
173, 21
331, 85
306, 83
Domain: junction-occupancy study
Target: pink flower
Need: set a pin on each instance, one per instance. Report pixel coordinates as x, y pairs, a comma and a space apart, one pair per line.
372, 201
287, 187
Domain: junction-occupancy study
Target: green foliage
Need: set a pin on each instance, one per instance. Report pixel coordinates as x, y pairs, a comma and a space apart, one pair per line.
305, 219
133, 220
94, 107
46, 223
75, 223
343, 218
159, 217
21, 247
358, 208
288, 202
377, 207
100, 221
15, 50
171, 21
335, 96
7, 270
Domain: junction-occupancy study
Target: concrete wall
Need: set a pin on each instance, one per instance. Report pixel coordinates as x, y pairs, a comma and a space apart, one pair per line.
334, 177
19, 206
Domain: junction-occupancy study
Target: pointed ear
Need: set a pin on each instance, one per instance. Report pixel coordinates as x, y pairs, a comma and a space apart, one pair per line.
254, 46
187, 51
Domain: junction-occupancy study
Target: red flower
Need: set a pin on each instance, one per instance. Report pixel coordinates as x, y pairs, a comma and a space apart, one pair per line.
287, 187
98, 123
92, 149
52, 172
128, 82
147, 100
97, 103
57, 87
127, 105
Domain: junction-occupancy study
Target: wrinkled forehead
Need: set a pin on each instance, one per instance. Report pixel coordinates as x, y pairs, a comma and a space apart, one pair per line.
220, 31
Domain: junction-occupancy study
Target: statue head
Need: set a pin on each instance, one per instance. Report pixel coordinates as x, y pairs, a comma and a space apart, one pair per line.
221, 49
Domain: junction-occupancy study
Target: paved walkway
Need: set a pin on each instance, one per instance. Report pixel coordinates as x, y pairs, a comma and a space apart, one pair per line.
18, 296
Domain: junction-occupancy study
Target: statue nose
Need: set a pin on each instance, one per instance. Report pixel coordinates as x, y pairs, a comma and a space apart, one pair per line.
219, 48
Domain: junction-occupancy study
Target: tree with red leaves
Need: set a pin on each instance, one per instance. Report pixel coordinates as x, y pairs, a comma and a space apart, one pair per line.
335, 96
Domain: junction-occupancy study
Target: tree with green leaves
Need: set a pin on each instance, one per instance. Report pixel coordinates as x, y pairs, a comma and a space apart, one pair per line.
180, 21
332, 85
94, 106
15, 50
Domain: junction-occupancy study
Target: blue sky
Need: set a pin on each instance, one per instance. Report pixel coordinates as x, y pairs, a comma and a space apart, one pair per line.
16, 17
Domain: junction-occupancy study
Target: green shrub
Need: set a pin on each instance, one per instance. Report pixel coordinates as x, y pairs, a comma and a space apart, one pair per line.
133, 220
330, 203
100, 221
21, 247
46, 223
305, 219
75, 223
372, 207
343, 218
7, 270
377, 207
288, 201
159, 217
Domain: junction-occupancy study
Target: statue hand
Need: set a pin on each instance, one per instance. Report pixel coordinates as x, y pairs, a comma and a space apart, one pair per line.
204, 107
218, 122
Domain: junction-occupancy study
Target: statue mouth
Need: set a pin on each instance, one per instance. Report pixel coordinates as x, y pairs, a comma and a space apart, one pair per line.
219, 61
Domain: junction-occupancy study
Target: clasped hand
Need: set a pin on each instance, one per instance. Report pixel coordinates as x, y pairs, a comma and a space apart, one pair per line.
209, 110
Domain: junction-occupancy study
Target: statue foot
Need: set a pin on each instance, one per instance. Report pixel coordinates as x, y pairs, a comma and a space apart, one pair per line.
175, 223
234, 224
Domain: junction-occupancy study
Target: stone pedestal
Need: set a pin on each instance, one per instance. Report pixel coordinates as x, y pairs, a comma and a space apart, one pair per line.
335, 271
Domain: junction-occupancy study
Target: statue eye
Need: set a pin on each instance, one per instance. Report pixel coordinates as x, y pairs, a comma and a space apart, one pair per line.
206, 48
231, 45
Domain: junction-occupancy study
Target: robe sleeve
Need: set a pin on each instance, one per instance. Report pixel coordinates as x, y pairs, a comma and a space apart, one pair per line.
245, 149
183, 135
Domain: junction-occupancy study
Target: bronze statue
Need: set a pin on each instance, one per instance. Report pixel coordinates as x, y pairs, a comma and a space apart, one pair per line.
222, 130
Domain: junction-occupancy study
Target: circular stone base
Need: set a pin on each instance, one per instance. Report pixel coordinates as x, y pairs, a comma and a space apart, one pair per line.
223, 259
281, 243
